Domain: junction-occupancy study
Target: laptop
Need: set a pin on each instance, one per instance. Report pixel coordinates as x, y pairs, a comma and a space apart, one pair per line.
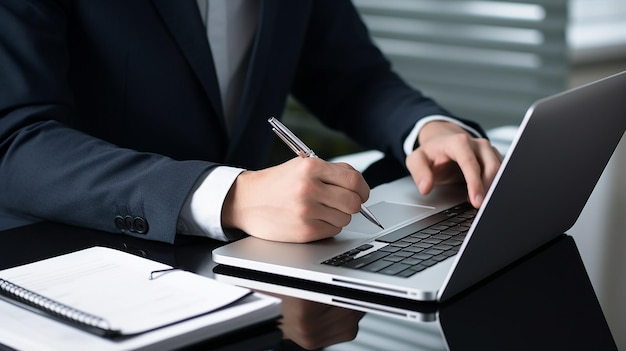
560, 151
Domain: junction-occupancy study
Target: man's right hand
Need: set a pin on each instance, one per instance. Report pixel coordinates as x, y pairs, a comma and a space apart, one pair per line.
301, 200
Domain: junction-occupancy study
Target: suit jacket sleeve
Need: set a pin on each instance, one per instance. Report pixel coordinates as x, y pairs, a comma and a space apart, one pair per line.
51, 171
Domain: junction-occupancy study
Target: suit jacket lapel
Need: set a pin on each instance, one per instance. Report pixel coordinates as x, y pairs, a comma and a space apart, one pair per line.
184, 22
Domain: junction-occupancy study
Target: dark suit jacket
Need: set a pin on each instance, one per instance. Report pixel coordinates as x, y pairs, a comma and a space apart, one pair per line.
110, 109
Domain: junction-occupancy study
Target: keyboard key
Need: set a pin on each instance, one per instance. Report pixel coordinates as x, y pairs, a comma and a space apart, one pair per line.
401, 244
390, 249
334, 262
411, 261
414, 249
442, 236
412, 239
433, 252
422, 245
377, 265
365, 260
394, 269
420, 235
442, 247
452, 242
451, 232
422, 256
404, 253
393, 259
406, 273
429, 263
352, 252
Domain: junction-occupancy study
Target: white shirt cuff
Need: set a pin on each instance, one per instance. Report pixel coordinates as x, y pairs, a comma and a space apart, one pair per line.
201, 214
410, 140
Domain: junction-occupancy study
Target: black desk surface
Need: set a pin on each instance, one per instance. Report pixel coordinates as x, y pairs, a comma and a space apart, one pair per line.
543, 302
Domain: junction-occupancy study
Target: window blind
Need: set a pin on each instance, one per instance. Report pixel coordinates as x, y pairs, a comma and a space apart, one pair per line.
484, 60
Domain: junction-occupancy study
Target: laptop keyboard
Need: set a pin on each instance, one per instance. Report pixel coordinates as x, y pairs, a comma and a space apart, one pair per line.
415, 247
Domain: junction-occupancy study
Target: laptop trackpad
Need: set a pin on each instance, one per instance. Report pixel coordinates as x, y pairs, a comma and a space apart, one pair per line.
390, 214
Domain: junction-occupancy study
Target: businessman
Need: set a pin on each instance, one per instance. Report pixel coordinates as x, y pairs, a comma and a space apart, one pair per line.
149, 117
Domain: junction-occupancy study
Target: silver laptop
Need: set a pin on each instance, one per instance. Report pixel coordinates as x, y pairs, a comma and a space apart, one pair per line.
435, 246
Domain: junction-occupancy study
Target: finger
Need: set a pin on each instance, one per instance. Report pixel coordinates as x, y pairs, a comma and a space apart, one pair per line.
419, 166
490, 159
325, 203
332, 215
467, 160
345, 176
337, 186
341, 199
331, 203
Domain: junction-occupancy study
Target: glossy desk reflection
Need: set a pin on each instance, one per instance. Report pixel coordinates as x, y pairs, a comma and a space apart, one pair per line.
544, 302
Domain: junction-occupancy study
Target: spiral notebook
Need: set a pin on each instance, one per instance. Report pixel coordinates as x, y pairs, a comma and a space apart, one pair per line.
115, 294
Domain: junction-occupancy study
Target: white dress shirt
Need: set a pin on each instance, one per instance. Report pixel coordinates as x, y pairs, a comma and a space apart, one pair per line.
231, 25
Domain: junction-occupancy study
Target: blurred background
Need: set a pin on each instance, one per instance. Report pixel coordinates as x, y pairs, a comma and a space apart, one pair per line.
489, 61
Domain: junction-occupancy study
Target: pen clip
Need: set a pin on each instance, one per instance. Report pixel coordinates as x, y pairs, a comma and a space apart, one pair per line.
286, 140
287, 136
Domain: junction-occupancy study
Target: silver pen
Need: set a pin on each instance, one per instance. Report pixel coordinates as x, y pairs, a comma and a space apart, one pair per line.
302, 150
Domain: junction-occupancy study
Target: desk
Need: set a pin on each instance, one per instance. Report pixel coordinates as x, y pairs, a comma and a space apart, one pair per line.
544, 302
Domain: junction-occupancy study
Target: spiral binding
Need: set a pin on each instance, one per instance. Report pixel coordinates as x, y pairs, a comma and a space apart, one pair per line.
54, 308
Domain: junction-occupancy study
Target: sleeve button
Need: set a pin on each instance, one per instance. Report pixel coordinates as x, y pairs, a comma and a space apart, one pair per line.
140, 225
119, 223
128, 223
